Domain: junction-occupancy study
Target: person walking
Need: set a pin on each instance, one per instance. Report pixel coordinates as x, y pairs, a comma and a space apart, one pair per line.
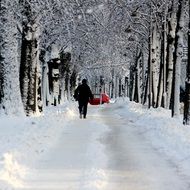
82, 94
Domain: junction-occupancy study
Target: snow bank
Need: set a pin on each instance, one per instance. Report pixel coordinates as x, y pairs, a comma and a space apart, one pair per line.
168, 135
24, 139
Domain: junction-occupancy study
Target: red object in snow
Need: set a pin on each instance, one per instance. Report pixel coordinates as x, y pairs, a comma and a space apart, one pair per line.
101, 99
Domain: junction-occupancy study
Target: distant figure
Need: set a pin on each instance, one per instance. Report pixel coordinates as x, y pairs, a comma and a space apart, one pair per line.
82, 95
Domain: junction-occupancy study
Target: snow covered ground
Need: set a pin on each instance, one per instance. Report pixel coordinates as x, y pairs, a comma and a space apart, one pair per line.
119, 146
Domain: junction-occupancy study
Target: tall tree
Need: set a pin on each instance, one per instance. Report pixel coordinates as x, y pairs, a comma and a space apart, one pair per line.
10, 99
178, 55
172, 23
186, 118
29, 60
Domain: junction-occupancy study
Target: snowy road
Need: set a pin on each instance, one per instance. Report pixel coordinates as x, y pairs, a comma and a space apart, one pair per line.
103, 152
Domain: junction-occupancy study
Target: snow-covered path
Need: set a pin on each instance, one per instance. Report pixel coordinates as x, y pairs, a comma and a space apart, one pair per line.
103, 152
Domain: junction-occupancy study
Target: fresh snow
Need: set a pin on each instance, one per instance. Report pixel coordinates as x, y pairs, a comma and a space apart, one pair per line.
122, 145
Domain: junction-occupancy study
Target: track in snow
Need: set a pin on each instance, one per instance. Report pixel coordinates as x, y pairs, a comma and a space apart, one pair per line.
103, 152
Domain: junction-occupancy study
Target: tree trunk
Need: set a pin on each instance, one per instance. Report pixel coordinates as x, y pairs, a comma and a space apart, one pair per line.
170, 52
161, 78
164, 33
178, 54
150, 75
161, 100
145, 91
28, 69
155, 63
186, 118
10, 97
131, 83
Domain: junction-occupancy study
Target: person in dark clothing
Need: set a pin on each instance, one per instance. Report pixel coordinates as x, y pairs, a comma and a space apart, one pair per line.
82, 95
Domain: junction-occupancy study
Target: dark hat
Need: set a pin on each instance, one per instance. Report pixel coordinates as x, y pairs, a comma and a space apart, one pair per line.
84, 81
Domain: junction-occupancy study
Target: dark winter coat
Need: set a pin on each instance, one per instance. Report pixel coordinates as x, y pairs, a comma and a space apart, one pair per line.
83, 93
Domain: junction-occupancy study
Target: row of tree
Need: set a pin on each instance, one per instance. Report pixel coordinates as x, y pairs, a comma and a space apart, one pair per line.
167, 42
126, 48
143, 52
32, 72
149, 40
157, 43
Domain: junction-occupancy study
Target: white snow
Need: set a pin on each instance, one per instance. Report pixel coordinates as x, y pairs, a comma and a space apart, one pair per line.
54, 51
122, 145
89, 11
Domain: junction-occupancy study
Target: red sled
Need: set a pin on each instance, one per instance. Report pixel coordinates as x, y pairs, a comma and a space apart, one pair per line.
100, 99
